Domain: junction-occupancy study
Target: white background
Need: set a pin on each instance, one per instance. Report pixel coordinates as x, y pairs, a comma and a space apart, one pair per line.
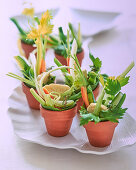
117, 47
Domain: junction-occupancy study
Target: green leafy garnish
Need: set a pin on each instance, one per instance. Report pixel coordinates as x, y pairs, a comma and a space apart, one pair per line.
97, 63
87, 117
112, 115
109, 104
123, 80
112, 87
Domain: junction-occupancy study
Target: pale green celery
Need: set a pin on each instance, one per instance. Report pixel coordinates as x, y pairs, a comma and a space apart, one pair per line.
99, 103
68, 92
72, 31
72, 58
59, 68
73, 34
79, 36
68, 44
78, 69
56, 95
37, 97
31, 83
46, 97
45, 75
127, 69
33, 61
62, 103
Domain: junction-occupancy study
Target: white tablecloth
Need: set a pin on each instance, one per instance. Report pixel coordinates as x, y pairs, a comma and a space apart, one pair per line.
116, 48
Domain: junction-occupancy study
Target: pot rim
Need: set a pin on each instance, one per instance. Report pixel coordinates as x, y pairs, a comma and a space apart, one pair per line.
28, 86
102, 122
26, 43
64, 57
24, 84
98, 86
56, 110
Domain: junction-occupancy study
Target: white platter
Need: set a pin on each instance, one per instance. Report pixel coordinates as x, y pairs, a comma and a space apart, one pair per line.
29, 125
94, 22
26, 21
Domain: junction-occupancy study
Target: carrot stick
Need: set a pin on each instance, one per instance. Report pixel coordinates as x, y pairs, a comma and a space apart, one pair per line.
68, 60
84, 96
47, 92
43, 66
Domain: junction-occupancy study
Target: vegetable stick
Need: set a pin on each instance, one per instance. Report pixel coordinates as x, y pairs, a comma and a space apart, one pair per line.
43, 66
68, 60
84, 96
47, 92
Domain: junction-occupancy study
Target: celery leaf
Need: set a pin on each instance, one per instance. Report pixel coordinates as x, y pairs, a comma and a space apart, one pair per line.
112, 87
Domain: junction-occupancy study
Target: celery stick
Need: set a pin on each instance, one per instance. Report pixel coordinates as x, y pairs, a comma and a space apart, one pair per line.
37, 97
99, 103
127, 69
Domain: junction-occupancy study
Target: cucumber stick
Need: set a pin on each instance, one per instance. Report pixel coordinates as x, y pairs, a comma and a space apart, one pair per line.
118, 100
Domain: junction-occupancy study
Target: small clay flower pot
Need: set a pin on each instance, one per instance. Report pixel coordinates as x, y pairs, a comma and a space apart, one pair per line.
58, 123
100, 134
63, 60
80, 101
32, 102
27, 48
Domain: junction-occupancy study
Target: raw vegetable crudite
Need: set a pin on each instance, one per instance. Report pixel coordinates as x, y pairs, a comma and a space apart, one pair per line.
57, 111
25, 44
62, 42
82, 82
33, 69
100, 117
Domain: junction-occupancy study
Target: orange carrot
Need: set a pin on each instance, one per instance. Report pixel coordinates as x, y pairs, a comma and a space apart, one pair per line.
43, 66
47, 92
68, 60
84, 96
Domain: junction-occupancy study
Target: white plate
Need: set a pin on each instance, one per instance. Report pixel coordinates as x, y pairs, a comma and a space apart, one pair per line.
93, 22
29, 125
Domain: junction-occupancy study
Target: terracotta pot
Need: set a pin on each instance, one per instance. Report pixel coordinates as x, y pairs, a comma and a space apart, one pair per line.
80, 101
100, 134
58, 123
63, 60
32, 102
27, 49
